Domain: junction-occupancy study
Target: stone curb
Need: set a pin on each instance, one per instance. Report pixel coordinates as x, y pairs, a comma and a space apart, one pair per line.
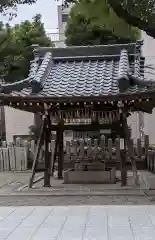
77, 194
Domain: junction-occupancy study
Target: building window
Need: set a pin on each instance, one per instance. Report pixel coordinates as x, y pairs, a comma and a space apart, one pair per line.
64, 17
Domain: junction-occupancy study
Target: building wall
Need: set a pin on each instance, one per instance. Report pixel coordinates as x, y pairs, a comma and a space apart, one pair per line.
17, 122
62, 20
149, 127
143, 119
149, 53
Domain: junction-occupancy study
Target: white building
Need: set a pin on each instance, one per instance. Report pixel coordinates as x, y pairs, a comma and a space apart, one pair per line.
149, 53
147, 121
58, 37
62, 20
17, 123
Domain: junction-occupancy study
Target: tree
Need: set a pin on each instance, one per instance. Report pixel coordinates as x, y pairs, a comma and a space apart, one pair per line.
5, 48
16, 55
11, 5
138, 13
5, 4
96, 23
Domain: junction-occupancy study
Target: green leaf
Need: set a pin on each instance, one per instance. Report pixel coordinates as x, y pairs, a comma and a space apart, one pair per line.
95, 22
16, 48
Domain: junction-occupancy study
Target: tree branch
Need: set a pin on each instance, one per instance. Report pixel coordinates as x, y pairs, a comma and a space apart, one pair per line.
121, 12
5, 4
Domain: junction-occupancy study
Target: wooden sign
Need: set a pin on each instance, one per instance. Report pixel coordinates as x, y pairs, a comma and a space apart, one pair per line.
105, 131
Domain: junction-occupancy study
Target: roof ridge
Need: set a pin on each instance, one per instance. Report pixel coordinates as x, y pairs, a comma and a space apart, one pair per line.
102, 76
123, 78
72, 51
123, 64
43, 69
138, 43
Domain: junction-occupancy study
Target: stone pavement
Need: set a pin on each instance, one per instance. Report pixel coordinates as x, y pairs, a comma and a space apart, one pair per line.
12, 181
17, 184
147, 183
78, 223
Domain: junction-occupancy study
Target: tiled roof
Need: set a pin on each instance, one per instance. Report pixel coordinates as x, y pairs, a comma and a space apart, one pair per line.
83, 71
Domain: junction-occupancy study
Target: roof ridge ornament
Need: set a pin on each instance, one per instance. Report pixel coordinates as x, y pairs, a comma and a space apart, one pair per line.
123, 79
123, 64
42, 73
35, 62
43, 67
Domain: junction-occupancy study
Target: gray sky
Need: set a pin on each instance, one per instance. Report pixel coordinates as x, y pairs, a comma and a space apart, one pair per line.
47, 8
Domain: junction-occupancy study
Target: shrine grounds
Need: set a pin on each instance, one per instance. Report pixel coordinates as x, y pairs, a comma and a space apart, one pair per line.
14, 192
76, 212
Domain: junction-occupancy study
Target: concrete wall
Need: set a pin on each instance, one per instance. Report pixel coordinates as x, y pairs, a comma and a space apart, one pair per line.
147, 121
149, 127
17, 122
61, 24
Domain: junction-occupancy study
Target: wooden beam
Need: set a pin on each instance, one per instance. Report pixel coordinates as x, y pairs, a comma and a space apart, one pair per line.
36, 104
45, 99
88, 127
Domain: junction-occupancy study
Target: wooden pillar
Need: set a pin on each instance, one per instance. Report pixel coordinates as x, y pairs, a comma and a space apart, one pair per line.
60, 149
55, 154
130, 151
47, 137
123, 151
123, 167
146, 149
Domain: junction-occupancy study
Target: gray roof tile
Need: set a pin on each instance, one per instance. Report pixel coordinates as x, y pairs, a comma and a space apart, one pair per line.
82, 79
82, 74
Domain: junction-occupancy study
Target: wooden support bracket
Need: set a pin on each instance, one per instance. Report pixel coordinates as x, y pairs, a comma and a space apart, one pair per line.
38, 148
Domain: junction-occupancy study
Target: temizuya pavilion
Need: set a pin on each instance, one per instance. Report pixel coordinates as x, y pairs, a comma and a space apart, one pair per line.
101, 82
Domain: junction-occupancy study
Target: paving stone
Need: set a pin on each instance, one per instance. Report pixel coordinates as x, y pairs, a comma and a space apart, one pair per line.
78, 223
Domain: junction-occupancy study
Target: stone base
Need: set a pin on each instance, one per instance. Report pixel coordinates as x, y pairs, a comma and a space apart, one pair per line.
90, 177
